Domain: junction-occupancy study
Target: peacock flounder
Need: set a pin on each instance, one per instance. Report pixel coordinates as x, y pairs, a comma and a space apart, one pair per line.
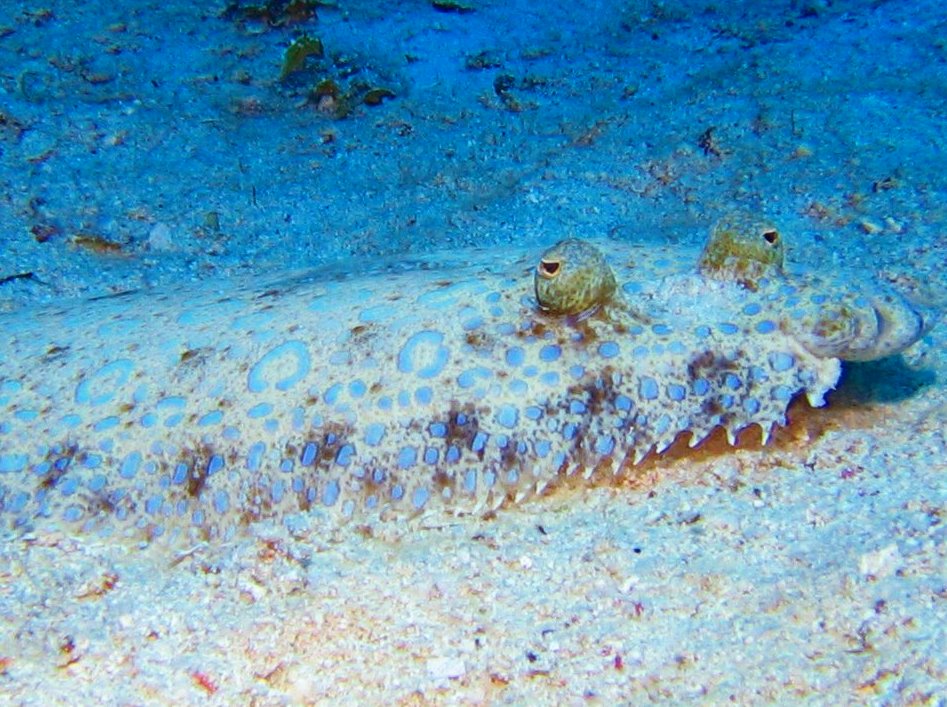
447, 385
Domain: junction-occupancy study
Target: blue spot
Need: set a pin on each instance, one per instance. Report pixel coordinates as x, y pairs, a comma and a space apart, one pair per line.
215, 464
211, 418
632, 288
309, 454
468, 378
648, 388
470, 480
781, 361
419, 497
357, 388
479, 441
130, 465
533, 413
404, 398
384, 403
438, 429
701, 386
374, 434
97, 482
514, 356
676, 347
173, 420
26, 415
430, 455
676, 391
423, 354
153, 505
604, 445
423, 395
294, 352
818, 299
732, 382
726, 400
662, 424
180, 474
453, 454
550, 378
259, 410
67, 486
93, 461
782, 393
332, 393
473, 323
149, 419
576, 371
640, 351
702, 331
549, 353
543, 447
344, 457
286, 466
751, 405
276, 491
407, 457
72, 513
728, 328
766, 326
569, 430
221, 502
623, 402
106, 423
255, 456
752, 309
608, 349
661, 329
518, 387
397, 492
577, 407
508, 416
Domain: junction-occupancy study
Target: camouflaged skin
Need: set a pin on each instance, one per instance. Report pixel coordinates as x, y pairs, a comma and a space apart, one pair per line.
420, 388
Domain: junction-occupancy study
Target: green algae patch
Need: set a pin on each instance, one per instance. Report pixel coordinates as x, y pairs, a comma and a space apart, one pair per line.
296, 54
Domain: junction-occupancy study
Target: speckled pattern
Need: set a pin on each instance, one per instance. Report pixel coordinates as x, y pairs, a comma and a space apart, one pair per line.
417, 388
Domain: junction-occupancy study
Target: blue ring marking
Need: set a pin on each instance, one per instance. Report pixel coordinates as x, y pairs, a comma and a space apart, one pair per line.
550, 353
468, 378
732, 381
648, 388
431, 455
259, 410
423, 354
345, 454
330, 494
728, 327
676, 391
781, 361
608, 349
221, 502
374, 434
255, 456
211, 418
752, 309
701, 386
424, 395
103, 384
294, 352
130, 465
767, 326
508, 416
420, 497
357, 388
407, 457
515, 356
438, 429
533, 412
751, 406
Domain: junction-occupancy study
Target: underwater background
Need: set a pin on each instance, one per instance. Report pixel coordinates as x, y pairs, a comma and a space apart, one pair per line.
159, 155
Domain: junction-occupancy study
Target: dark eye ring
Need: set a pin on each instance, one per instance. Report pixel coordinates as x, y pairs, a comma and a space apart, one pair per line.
549, 268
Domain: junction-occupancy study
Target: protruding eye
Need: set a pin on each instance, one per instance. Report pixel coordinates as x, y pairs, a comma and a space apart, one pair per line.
771, 237
549, 268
